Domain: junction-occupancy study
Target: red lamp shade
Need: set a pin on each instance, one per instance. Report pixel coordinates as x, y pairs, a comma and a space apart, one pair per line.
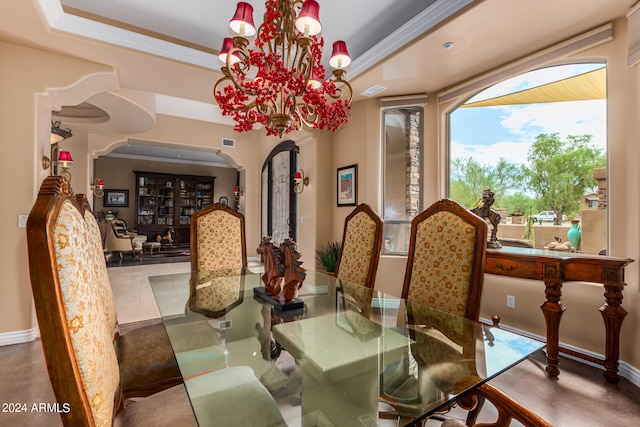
65, 157
242, 21
227, 45
297, 176
316, 80
99, 183
340, 57
308, 21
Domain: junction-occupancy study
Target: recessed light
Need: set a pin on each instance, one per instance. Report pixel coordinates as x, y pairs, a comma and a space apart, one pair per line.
447, 45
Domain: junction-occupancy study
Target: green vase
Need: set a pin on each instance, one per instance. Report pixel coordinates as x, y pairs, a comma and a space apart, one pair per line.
575, 234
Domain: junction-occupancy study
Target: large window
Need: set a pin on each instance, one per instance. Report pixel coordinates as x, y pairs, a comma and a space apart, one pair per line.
538, 140
402, 175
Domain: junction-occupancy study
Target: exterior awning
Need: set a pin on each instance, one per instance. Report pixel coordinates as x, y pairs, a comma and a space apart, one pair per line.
586, 86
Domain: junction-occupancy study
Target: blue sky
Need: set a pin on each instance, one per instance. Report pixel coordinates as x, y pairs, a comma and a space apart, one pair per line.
488, 133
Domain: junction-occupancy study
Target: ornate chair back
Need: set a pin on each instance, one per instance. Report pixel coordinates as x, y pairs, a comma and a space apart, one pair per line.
445, 265
95, 250
361, 244
218, 239
76, 339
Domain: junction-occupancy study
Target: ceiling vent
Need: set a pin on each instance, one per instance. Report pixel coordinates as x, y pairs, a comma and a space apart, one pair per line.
373, 90
228, 142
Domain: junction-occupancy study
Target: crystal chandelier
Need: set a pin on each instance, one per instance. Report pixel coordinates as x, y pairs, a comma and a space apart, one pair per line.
281, 83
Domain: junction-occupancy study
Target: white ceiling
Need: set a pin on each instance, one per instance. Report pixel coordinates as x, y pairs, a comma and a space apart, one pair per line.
397, 44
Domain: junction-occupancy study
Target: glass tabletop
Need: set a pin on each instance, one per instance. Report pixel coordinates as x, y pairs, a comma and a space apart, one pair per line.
333, 360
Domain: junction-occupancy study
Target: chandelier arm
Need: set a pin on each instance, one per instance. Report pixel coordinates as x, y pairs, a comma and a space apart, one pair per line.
339, 90
310, 118
304, 64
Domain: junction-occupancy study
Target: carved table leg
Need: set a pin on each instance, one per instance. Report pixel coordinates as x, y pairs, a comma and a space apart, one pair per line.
613, 314
552, 309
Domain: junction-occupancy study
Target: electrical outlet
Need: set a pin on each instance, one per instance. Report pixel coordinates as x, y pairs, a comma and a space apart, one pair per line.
511, 301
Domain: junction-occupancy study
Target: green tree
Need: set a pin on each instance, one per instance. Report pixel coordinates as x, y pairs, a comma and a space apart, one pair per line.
559, 172
469, 178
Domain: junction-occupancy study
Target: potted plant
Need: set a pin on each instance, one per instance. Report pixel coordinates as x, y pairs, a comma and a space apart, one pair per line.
328, 256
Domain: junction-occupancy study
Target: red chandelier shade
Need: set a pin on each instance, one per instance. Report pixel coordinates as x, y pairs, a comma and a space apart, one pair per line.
279, 82
297, 176
227, 45
100, 183
242, 21
340, 57
308, 21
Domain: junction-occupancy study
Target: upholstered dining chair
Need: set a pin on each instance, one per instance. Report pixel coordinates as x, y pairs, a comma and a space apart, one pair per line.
445, 264
445, 272
145, 357
218, 239
360, 249
78, 325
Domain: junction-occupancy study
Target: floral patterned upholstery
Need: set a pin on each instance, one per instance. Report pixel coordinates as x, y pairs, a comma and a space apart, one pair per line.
443, 262
218, 295
360, 247
103, 285
219, 240
91, 337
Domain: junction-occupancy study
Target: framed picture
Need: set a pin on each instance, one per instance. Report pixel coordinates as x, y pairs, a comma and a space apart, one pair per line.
116, 198
223, 200
347, 192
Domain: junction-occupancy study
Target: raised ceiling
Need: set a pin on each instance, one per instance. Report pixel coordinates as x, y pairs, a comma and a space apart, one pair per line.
165, 49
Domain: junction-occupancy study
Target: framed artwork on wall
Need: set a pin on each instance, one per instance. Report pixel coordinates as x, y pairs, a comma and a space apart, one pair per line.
347, 183
116, 198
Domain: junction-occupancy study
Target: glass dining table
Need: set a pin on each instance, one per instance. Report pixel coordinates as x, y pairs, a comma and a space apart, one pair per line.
344, 355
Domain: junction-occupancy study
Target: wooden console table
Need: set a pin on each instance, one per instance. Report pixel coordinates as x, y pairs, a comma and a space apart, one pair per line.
554, 268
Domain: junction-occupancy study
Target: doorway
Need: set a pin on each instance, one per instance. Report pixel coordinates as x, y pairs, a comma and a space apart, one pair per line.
279, 201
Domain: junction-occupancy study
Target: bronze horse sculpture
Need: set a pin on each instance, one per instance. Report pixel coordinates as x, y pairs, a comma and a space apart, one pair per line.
294, 274
485, 212
273, 267
282, 269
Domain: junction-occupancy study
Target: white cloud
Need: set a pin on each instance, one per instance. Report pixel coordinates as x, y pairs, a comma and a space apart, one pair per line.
513, 152
564, 118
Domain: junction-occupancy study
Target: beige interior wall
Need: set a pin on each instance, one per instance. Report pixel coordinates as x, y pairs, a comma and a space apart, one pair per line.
118, 173
32, 83
28, 78
172, 131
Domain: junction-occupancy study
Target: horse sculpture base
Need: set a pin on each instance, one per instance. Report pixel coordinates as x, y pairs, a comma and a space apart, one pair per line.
277, 301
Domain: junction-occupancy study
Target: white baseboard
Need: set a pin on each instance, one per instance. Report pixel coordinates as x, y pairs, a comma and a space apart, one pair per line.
18, 337
625, 370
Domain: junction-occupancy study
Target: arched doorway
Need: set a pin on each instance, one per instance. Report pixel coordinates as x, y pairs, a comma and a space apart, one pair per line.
279, 201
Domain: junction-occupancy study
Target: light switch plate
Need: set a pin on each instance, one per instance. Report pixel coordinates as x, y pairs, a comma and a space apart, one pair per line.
22, 221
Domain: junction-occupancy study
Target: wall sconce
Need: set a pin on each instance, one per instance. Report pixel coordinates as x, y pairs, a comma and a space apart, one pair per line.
57, 134
300, 181
65, 159
237, 193
98, 187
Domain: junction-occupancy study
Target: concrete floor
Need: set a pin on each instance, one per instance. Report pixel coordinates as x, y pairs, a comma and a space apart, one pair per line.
580, 397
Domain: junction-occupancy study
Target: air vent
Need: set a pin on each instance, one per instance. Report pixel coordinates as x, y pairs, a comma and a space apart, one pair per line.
228, 142
373, 90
